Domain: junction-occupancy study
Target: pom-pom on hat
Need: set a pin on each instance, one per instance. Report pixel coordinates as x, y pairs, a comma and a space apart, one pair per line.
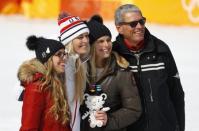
44, 48
97, 28
70, 27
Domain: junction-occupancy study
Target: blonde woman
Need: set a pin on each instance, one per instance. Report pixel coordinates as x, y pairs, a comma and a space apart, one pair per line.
108, 73
45, 106
74, 35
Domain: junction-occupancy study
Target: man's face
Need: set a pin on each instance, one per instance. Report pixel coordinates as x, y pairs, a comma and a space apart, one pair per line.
130, 28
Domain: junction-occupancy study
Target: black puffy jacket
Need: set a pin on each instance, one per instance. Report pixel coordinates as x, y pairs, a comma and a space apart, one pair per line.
159, 85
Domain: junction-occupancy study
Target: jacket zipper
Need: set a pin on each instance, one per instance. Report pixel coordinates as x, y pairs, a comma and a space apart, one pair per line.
151, 91
137, 56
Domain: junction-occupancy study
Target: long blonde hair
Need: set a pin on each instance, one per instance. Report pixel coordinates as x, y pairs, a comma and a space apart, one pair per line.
55, 83
93, 70
80, 73
122, 62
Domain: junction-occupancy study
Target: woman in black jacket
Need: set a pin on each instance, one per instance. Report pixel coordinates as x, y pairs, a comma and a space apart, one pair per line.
107, 71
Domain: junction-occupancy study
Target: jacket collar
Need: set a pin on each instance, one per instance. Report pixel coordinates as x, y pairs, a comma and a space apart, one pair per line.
112, 67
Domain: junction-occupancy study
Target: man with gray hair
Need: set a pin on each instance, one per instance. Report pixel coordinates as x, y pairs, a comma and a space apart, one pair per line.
155, 72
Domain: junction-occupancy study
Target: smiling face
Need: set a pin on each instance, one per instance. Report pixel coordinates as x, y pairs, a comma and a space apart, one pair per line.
103, 48
59, 61
81, 44
133, 34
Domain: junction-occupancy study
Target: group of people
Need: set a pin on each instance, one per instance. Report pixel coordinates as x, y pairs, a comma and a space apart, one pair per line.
84, 82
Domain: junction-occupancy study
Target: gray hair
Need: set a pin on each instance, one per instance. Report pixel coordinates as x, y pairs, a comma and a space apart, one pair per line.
124, 9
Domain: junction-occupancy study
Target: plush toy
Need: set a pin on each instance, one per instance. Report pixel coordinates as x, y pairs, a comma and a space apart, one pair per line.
94, 102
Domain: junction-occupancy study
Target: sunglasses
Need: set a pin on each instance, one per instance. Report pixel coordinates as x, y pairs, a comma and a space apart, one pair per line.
133, 24
61, 54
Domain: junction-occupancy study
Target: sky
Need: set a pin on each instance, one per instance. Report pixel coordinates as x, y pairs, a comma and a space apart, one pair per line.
14, 30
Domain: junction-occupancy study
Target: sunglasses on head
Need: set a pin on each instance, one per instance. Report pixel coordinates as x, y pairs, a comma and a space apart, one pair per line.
134, 23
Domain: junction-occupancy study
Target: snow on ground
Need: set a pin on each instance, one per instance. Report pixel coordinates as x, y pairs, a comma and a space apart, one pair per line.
183, 42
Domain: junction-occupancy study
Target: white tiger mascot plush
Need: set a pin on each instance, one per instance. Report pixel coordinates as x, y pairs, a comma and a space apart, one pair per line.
94, 103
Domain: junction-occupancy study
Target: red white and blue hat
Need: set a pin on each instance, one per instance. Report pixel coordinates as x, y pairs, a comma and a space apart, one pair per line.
70, 28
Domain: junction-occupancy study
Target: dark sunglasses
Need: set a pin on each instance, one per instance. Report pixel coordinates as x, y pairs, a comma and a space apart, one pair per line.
61, 54
134, 23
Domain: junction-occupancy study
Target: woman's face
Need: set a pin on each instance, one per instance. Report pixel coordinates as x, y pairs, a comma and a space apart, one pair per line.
81, 44
59, 59
103, 47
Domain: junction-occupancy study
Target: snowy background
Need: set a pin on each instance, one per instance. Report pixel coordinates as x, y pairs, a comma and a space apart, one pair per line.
183, 42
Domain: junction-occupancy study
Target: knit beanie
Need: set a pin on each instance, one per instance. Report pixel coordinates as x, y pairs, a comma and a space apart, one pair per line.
44, 48
97, 28
70, 27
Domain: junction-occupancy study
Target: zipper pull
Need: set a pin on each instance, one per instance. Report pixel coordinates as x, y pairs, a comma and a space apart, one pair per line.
151, 98
137, 56
151, 91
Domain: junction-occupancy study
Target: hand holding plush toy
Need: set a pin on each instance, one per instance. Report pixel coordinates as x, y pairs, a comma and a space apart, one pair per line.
95, 103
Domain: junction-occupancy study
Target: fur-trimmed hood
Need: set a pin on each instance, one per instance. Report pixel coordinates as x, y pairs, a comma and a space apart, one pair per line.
31, 70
